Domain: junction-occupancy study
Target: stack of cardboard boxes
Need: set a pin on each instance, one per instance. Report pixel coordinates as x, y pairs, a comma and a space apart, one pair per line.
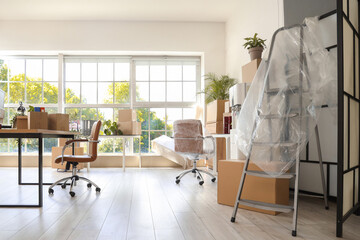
127, 122
267, 190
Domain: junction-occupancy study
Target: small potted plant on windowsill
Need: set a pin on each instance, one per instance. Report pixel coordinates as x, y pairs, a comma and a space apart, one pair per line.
255, 45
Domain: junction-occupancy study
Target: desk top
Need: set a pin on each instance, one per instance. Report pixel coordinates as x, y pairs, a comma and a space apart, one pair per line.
39, 131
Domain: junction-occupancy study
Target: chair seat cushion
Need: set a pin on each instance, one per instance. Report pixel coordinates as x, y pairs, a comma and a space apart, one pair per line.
77, 158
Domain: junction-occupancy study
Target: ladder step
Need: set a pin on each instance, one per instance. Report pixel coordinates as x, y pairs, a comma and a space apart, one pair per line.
274, 175
266, 206
288, 90
277, 116
281, 144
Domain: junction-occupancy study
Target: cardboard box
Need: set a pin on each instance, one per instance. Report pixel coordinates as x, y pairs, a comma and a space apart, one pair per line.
270, 190
58, 121
126, 115
22, 122
38, 120
62, 142
249, 70
130, 128
215, 128
215, 110
56, 151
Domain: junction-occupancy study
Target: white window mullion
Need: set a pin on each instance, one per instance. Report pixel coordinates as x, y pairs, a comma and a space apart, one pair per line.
61, 83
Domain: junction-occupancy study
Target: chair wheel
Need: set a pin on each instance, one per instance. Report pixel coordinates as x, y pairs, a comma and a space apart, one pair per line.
72, 194
97, 189
198, 177
177, 181
213, 180
89, 185
51, 191
201, 183
63, 186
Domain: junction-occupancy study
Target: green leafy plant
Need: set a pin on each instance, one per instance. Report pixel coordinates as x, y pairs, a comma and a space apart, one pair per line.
254, 41
217, 88
111, 128
31, 109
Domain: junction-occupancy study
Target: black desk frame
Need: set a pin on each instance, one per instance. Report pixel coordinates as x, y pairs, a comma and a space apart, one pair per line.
40, 183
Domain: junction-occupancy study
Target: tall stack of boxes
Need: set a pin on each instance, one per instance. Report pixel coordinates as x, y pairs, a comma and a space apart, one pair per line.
215, 125
255, 188
127, 122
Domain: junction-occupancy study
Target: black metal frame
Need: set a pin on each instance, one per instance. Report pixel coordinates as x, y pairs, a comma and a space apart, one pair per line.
341, 171
40, 183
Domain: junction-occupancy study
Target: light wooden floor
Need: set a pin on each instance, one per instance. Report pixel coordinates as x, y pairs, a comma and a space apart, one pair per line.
147, 204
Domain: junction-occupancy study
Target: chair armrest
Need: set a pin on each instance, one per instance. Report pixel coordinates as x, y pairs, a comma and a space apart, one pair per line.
76, 140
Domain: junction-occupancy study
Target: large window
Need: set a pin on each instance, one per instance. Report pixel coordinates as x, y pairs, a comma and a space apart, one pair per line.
34, 81
161, 90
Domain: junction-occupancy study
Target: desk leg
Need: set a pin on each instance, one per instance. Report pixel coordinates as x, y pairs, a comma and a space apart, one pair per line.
124, 147
19, 160
40, 172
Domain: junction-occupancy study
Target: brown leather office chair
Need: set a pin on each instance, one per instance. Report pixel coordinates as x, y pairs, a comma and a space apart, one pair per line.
93, 141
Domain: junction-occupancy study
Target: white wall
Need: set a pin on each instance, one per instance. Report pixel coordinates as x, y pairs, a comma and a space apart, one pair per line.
203, 38
260, 16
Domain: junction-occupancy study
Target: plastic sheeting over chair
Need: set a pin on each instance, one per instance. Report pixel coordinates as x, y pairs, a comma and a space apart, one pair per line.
282, 105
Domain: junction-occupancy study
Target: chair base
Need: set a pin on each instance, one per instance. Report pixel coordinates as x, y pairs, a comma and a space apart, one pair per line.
197, 173
74, 178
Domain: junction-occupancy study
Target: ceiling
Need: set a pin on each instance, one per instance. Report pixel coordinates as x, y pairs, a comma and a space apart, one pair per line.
124, 10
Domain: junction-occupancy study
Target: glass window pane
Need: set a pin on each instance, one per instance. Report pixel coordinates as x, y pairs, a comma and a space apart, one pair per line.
145, 147
189, 72
17, 92
106, 92
172, 114
31, 144
4, 87
122, 92
106, 72
51, 70
157, 91
142, 72
157, 72
74, 117
106, 114
174, 91
49, 143
189, 113
189, 93
72, 72
142, 92
50, 92
88, 72
34, 92
119, 144
122, 71
106, 145
174, 72
72, 92
157, 118
3, 145
89, 114
16, 68
33, 70
4, 67
88, 93
143, 117
51, 109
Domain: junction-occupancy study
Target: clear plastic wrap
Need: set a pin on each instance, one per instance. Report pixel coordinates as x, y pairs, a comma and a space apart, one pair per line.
190, 142
282, 105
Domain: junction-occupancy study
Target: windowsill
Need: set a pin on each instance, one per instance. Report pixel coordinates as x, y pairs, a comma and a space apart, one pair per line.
100, 155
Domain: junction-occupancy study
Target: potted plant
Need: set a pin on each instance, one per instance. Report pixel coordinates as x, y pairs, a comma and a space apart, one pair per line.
217, 88
111, 128
255, 45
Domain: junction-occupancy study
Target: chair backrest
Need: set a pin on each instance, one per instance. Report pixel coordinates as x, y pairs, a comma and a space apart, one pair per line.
185, 134
95, 131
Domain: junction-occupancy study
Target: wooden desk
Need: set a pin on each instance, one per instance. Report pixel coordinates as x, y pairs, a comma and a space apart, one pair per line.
40, 134
126, 142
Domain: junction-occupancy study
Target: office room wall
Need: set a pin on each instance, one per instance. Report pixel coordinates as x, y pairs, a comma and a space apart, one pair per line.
65, 36
256, 16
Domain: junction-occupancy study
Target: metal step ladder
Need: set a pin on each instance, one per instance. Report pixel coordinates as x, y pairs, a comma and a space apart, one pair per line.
284, 144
